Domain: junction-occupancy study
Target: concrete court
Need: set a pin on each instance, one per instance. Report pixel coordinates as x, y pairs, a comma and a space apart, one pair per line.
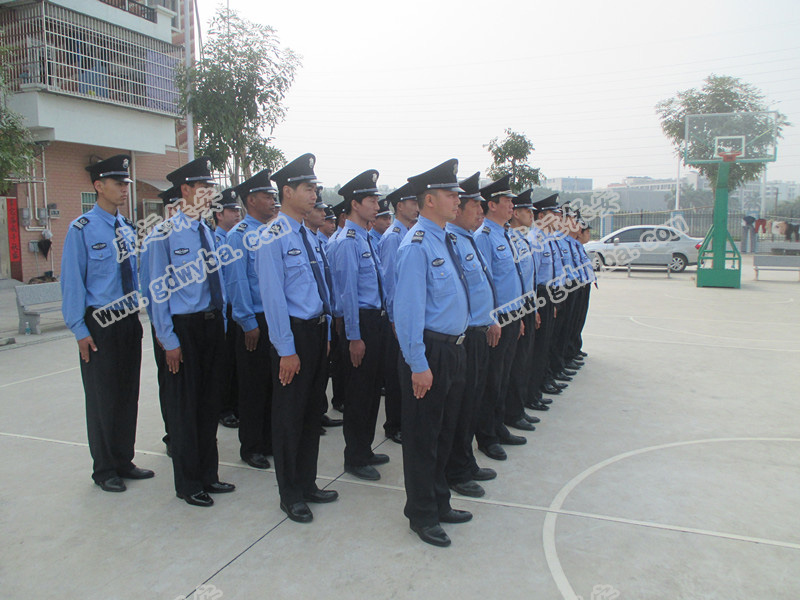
669, 469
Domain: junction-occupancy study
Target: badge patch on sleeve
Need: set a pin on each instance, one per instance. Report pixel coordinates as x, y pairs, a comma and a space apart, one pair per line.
351, 233
366, 255
98, 246
294, 252
182, 251
437, 262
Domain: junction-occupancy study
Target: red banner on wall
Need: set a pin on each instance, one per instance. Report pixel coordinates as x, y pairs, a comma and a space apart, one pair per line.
14, 248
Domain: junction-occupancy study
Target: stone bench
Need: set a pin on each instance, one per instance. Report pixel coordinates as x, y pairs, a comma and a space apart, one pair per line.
774, 262
35, 300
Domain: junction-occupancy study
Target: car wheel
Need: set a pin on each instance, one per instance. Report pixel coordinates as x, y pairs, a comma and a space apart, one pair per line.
597, 262
678, 263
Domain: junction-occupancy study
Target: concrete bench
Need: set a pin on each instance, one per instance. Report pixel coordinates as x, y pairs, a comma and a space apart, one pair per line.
774, 262
35, 300
649, 260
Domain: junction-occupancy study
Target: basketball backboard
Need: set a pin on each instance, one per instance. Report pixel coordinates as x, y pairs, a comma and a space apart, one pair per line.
749, 136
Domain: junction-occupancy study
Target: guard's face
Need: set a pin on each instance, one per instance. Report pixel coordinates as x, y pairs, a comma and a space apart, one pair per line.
524, 216
199, 195
473, 213
367, 209
328, 227
229, 217
505, 207
316, 218
382, 223
547, 220
444, 203
301, 199
408, 210
262, 204
113, 190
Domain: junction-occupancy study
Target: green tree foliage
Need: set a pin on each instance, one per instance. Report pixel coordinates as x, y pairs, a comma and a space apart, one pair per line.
719, 94
510, 155
235, 93
16, 144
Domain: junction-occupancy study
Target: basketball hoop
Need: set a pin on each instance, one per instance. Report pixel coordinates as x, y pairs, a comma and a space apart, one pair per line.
729, 156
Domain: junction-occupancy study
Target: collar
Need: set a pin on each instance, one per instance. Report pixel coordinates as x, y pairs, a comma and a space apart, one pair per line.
295, 225
251, 220
186, 222
453, 228
105, 215
430, 227
398, 223
494, 226
358, 229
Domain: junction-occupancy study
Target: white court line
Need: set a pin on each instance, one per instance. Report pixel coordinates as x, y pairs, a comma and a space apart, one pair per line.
38, 377
660, 318
679, 343
549, 527
694, 300
708, 335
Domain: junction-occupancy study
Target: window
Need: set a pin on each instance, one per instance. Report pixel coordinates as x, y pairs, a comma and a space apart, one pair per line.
631, 236
87, 201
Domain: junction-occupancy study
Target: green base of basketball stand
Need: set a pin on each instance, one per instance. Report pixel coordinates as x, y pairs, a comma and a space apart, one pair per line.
719, 263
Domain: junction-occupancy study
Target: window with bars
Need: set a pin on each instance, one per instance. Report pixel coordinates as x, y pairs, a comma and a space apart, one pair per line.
87, 201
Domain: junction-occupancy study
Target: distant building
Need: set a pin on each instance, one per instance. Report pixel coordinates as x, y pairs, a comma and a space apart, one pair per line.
570, 184
691, 179
91, 78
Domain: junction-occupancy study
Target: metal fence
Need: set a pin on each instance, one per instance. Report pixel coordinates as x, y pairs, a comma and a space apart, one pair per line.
59, 50
135, 8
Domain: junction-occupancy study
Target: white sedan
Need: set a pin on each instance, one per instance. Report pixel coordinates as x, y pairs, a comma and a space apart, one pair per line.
641, 240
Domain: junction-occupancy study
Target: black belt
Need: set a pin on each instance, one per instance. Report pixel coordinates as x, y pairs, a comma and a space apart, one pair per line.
478, 329
312, 321
443, 337
205, 315
376, 312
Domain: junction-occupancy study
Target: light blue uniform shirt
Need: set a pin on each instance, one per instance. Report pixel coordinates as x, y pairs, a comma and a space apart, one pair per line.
566, 256
355, 276
496, 248
524, 257
542, 256
376, 239
91, 272
481, 298
241, 281
286, 281
220, 235
173, 253
588, 268
389, 245
323, 239
440, 305
575, 258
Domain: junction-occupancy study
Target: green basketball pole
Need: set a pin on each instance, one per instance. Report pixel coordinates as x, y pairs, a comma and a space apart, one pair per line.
719, 262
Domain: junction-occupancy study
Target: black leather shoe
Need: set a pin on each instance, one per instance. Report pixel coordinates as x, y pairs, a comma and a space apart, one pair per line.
468, 488
582, 353
522, 424
198, 499
532, 419
112, 484
378, 459
298, 512
137, 473
366, 472
257, 461
322, 431
562, 377
509, 439
230, 421
321, 496
484, 474
557, 385
396, 437
538, 406
531, 403
219, 487
573, 364
494, 451
339, 407
328, 422
549, 388
432, 534
456, 516
542, 400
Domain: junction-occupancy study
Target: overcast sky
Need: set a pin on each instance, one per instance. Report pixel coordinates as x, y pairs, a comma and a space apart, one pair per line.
403, 86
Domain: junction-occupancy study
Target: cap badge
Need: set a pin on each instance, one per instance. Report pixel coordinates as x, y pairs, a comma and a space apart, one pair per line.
208, 165
125, 163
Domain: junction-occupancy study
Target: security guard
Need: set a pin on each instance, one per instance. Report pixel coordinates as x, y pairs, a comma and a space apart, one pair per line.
328, 227
297, 308
462, 469
566, 306
580, 262
252, 345
188, 295
518, 387
227, 213
339, 354
431, 334
98, 270
406, 211
495, 244
584, 236
381, 223
359, 287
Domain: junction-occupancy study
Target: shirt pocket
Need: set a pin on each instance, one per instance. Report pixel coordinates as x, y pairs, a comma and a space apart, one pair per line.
102, 261
295, 269
442, 283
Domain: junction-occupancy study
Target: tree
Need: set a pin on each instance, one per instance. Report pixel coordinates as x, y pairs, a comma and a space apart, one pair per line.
719, 94
690, 198
16, 144
510, 155
235, 93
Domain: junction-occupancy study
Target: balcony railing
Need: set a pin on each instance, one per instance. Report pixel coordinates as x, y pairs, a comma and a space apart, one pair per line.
135, 8
66, 52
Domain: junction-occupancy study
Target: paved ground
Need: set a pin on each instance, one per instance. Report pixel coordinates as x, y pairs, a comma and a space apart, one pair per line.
669, 469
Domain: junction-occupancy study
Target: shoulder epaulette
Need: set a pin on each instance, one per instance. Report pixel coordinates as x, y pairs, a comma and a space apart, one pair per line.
418, 235
395, 229
485, 229
241, 227
80, 223
165, 227
351, 233
275, 228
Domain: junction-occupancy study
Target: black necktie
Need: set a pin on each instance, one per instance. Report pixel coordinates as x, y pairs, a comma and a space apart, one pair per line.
212, 278
450, 242
485, 269
328, 279
377, 272
514, 252
126, 266
326, 307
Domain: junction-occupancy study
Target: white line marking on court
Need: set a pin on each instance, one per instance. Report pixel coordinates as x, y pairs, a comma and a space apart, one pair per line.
727, 301
38, 377
549, 527
708, 335
652, 342
660, 318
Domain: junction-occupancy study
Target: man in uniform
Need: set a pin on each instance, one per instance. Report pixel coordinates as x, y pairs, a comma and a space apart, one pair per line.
381, 223
297, 308
406, 211
339, 360
357, 279
462, 469
227, 215
495, 244
252, 338
188, 295
98, 270
329, 226
431, 334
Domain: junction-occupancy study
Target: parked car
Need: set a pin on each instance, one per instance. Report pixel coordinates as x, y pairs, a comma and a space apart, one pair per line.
645, 239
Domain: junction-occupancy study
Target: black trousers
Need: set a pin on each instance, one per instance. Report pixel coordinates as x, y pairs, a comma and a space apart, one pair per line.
339, 360
491, 411
230, 374
391, 380
295, 415
111, 388
540, 354
462, 464
429, 425
254, 373
564, 315
364, 390
519, 378
161, 374
581, 309
193, 395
